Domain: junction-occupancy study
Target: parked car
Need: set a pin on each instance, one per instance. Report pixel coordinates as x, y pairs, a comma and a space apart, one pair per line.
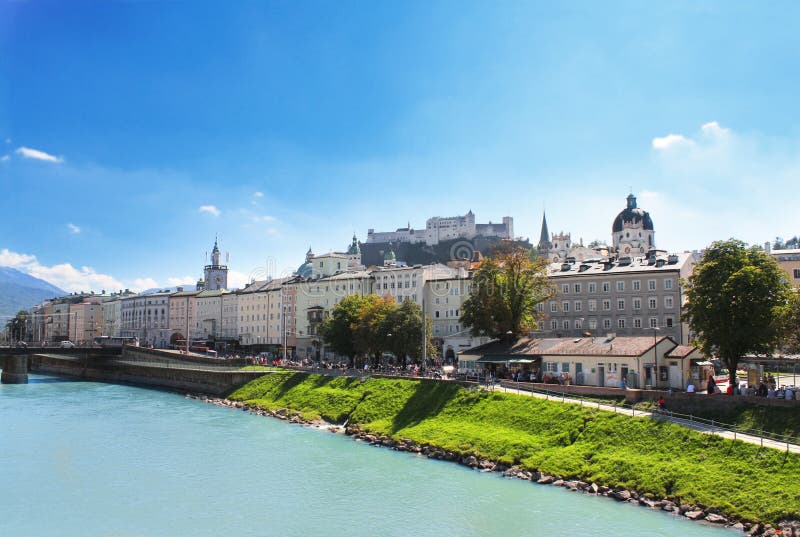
66, 345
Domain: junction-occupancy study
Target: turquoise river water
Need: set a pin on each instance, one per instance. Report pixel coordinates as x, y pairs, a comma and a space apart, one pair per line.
90, 459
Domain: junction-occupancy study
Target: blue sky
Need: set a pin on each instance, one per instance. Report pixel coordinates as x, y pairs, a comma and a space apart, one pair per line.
133, 132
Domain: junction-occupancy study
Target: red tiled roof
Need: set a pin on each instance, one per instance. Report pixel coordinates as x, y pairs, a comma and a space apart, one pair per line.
681, 351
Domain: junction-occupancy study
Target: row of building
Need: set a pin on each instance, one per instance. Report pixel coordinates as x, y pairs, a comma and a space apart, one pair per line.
630, 289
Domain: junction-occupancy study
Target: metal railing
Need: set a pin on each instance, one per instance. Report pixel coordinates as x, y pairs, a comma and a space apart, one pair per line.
713, 426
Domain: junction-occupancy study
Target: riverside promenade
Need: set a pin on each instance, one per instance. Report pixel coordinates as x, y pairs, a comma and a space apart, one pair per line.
666, 415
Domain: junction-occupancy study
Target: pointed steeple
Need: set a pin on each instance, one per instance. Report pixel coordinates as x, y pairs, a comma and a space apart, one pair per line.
544, 237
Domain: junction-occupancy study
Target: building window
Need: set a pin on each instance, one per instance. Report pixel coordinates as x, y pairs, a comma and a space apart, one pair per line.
565, 288
577, 286
797, 273
592, 324
637, 303
668, 322
636, 285
553, 307
540, 307
553, 325
592, 305
565, 306
565, 367
620, 323
653, 322
668, 284
651, 285
637, 323
579, 323
551, 366
606, 287
668, 302
565, 325
606, 323
606, 305
578, 305
652, 303
620, 286
592, 287
620, 303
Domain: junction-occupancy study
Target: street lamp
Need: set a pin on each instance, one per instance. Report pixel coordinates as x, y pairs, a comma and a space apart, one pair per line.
655, 354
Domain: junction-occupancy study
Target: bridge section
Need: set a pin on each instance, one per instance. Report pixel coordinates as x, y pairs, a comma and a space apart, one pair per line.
14, 361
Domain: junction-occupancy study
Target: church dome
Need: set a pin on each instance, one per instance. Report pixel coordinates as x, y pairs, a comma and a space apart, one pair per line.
632, 217
354, 248
305, 270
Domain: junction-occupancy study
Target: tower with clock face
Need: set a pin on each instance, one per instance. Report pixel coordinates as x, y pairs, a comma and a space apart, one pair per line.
216, 274
632, 231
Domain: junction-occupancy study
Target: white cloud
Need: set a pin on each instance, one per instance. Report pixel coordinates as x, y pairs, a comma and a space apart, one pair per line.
73, 228
649, 194
713, 129
262, 219
5, 158
210, 209
671, 140
181, 280
63, 275
27, 152
237, 279
258, 194
141, 284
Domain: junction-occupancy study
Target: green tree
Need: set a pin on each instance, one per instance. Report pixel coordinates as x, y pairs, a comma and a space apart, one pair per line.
338, 328
506, 288
371, 328
17, 326
790, 324
736, 296
404, 323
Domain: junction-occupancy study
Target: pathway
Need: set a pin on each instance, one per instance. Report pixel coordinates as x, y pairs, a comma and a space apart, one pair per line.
697, 426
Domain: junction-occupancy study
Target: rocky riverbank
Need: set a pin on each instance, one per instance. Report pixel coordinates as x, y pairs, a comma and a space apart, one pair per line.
700, 513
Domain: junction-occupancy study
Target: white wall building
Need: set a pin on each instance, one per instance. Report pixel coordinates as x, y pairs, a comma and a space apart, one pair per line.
439, 229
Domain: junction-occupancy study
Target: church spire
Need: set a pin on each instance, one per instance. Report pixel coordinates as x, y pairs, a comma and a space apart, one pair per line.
544, 237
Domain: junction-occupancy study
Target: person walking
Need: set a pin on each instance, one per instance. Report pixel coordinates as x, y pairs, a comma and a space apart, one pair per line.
712, 385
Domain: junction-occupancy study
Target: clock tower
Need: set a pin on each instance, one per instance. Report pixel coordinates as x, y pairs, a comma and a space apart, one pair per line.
215, 274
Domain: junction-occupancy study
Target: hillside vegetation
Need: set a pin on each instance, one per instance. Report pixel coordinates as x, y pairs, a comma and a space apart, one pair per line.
649, 456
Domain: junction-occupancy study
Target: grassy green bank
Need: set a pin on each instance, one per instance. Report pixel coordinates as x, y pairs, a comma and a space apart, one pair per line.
654, 457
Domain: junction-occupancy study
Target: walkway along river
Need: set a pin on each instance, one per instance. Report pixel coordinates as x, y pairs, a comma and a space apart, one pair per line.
92, 459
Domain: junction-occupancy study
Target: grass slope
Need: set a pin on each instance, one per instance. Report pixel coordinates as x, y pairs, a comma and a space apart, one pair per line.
653, 457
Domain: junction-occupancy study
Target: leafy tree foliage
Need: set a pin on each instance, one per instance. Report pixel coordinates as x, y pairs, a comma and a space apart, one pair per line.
17, 325
372, 325
405, 326
736, 297
337, 330
790, 326
506, 288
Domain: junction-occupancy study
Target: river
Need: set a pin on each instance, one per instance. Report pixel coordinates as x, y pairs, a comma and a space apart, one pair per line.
92, 459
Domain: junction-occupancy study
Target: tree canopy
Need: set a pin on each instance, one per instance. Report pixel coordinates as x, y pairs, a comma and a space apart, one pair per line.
736, 299
506, 288
337, 329
372, 325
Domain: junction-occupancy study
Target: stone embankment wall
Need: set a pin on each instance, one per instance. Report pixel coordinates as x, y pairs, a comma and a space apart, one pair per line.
157, 355
688, 403
161, 376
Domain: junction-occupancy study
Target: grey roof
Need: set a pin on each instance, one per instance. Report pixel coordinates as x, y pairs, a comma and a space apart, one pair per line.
637, 265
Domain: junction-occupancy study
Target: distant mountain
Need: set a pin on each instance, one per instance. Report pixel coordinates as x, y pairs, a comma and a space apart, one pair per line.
173, 289
20, 291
